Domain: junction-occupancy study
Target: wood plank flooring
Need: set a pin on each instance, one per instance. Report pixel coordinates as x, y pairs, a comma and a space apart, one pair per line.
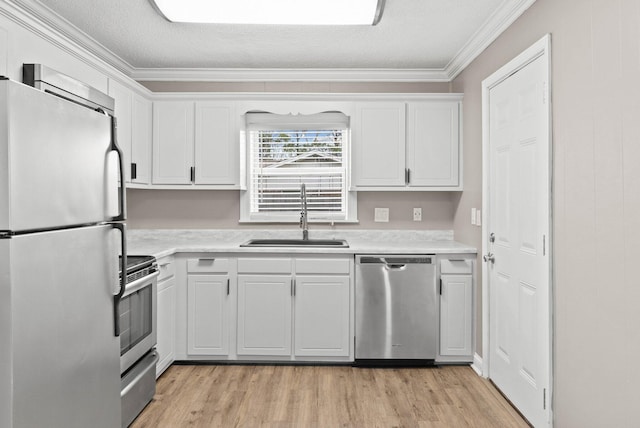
325, 396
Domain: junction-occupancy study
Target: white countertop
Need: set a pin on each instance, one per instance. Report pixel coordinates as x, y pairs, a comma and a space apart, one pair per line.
164, 242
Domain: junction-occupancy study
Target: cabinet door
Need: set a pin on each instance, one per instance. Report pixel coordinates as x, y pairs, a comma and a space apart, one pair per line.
141, 141
264, 314
321, 316
456, 312
166, 315
208, 314
433, 143
172, 142
378, 144
217, 147
122, 96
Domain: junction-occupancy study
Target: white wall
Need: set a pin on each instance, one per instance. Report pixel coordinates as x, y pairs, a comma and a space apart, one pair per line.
596, 146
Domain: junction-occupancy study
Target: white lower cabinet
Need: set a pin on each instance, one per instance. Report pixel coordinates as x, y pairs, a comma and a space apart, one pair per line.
166, 314
208, 306
321, 316
264, 315
208, 314
294, 308
456, 310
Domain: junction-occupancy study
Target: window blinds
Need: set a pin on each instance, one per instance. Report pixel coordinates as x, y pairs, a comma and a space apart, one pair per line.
286, 151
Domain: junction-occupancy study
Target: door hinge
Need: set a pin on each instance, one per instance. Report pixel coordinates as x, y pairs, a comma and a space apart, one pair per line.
544, 399
544, 92
544, 245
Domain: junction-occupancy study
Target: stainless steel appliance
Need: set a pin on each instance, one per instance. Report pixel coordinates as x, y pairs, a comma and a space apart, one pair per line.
60, 213
138, 357
396, 310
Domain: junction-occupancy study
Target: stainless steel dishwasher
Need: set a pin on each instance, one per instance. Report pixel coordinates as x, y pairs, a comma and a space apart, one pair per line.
396, 310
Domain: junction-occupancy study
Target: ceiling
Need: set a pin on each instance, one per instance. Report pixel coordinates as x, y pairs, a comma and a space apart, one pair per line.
430, 38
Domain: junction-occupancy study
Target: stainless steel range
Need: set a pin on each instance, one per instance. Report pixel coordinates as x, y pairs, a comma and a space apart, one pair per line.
138, 356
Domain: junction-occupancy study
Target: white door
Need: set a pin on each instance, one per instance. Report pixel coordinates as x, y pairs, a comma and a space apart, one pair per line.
208, 307
518, 268
264, 314
173, 136
217, 154
379, 145
433, 143
321, 316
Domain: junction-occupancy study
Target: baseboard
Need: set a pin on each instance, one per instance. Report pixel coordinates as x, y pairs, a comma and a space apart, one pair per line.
477, 364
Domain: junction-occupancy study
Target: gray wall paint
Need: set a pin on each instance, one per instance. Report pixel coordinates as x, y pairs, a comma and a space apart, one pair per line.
596, 135
211, 209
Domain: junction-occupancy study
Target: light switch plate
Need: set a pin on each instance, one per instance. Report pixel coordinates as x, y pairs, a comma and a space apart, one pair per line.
473, 216
381, 215
478, 218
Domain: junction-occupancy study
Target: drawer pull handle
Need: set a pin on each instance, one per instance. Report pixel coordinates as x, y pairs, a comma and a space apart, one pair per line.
207, 260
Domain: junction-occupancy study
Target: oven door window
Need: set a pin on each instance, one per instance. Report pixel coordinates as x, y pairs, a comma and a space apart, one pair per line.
136, 318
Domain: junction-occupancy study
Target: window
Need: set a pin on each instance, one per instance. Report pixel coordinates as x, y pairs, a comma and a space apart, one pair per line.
285, 151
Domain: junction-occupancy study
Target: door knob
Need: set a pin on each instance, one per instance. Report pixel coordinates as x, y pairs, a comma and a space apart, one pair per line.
489, 258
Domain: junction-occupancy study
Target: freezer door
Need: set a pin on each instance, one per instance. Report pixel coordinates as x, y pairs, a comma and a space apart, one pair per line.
58, 344
56, 166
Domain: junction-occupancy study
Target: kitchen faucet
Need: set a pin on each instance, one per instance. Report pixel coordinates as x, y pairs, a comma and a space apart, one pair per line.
304, 214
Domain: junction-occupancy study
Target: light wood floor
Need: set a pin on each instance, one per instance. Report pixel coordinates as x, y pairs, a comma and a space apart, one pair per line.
325, 396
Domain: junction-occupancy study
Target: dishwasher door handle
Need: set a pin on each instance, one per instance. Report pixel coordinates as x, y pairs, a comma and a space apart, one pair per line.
395, 266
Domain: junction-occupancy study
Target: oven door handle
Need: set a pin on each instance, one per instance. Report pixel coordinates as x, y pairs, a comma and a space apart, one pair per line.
139, 284
123, 277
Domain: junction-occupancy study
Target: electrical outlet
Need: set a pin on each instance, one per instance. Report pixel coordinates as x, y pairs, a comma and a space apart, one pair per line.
417, 214
473, 216
381, 215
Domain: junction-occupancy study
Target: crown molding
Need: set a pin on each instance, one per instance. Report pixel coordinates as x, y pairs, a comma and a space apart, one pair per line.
43, 21
289, 75
497, 23
72, 33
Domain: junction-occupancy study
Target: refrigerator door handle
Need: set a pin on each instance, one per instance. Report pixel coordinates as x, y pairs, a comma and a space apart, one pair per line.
123, 276
115, 147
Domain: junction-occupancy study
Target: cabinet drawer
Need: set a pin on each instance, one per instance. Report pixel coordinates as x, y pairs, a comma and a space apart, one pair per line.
323, 266
456, 266
208, 265
255, 265
167, 268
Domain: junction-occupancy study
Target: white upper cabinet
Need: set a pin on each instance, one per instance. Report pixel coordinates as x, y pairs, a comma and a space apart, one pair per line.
378, 148
122, 96
407, 145
173, 132
141, 140
133, 114
433, 143
217, 147
195, 143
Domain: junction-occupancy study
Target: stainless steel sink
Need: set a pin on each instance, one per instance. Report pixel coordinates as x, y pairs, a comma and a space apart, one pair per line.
328, 243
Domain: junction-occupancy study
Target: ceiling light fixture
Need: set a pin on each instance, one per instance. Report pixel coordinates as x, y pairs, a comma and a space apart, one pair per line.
286, 12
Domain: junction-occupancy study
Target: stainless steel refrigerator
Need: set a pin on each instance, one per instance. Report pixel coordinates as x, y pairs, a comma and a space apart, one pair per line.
60, 236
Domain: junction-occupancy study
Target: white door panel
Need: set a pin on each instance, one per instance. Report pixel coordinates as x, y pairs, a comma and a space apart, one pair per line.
518, 216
